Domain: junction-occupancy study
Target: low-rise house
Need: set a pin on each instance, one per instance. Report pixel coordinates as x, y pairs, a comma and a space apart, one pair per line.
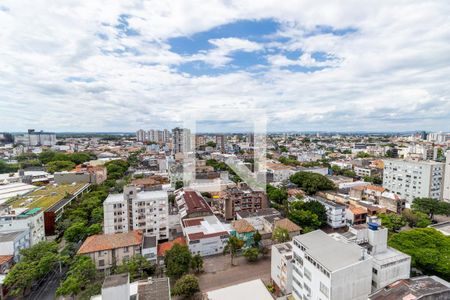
288, 225
281, 268
191, 204
356, 214
110, 250
205, 235
82, 174
244, 231
335, 212
6, 262
166, 246
258, 219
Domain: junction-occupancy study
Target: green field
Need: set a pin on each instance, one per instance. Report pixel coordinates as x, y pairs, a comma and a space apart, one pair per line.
47, 196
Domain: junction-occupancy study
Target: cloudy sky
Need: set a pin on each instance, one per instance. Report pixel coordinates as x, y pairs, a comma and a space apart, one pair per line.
109, 66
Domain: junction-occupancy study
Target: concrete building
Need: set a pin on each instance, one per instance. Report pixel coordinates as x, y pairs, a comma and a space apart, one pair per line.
11, 242
254, 289
335, 212
110, 250
36, 138
324, 268
281, 268
181, 139
411, 179
418, 288
82, 174
205, 235
238, 199
191, 204
24, 219
137, 210
446, 189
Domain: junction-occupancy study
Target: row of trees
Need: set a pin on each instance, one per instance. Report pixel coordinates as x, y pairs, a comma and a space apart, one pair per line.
312, 182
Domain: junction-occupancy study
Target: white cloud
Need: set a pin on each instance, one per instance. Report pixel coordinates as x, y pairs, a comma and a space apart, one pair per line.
390, 74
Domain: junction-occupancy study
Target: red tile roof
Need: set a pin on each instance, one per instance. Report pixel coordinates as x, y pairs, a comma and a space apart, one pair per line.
162, 248
192, 222
102, 242
5, 258
243, 226
195, 202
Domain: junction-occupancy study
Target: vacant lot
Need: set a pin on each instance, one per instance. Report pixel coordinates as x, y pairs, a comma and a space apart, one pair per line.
218, 272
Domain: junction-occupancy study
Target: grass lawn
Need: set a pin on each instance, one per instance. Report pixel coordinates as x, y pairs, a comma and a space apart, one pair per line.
46, 197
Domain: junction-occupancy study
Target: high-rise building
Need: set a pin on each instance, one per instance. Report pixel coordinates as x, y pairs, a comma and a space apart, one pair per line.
141, 135
412, 179
446, 189
133, 210
325, 268
181, 139
36, 138
220, 143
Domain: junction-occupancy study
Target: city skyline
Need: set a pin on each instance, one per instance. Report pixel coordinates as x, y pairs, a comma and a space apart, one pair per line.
340, 67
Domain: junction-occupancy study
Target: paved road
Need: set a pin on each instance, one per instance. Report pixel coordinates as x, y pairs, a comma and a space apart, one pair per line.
47, 289
218, 272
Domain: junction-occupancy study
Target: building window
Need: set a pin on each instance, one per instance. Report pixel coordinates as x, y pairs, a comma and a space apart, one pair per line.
101, 263
324, 289
374, 271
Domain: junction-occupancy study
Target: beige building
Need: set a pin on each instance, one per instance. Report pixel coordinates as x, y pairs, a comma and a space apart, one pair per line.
109, 250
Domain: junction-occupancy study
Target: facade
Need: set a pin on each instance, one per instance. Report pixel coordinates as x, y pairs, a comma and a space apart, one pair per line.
233, 200
181, 139
324, 268
36, 138
446, 192
411, 179
133, 210
205, 235
82, 174
11, 242
335, 212
243, 230
24, 219
281, 267
110, 250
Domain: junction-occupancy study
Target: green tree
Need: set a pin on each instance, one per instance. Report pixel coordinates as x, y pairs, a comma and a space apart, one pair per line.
82, 271
415, 219
306, 219
257, 238
138, 267
60, 165
362, 154
177, 260
393, 222
312, 182
187, 286
276, 195
197, 263
431, 207
178, 184
280, 235
211, 144
429, 250
95, 228
75, 233
315, 207
233, 245
251, 254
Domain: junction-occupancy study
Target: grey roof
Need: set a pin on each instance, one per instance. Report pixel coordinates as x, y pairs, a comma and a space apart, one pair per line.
156, 288
150, 242
330, 253
115, 280
259, 213
10, 235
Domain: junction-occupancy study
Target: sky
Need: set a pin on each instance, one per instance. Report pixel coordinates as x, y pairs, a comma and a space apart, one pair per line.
303, 65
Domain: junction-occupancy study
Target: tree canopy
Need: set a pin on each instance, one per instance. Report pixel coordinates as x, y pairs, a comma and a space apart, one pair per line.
177, 260
186, 286
429, 250
431, 206
82, 271
312, 182
280, 235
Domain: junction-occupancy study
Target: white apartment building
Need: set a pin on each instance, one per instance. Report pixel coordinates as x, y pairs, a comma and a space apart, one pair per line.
362, 171
335, 212
446, 189
324, 268
205, 235
388, 264
281, 267
31, 220
411, 179
137, 210
11, 242
36, 138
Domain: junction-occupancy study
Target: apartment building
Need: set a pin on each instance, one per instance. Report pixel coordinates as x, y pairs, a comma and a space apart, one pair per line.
110, 250
205, 235
411, 179
137, 210
324, 268
12, 219
335, 212
239, 199
36, 138
446, 189
281, 267
11, 242
181, 139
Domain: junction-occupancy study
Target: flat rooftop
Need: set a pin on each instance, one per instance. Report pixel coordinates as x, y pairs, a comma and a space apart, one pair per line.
115, 280
330, 253
47, 196
154, 288
254, 289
